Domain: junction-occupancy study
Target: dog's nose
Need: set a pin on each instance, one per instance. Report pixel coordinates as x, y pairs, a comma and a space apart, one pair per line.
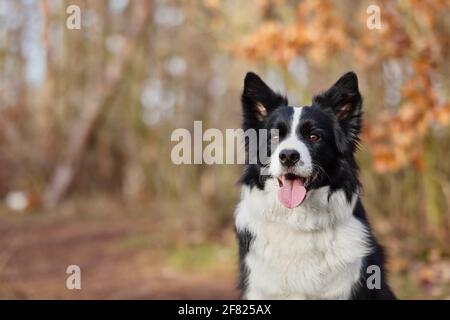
289, 157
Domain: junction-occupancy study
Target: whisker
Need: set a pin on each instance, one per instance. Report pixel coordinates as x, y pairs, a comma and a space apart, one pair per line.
319, 170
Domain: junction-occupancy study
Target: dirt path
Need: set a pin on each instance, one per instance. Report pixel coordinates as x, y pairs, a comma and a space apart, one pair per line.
34, 256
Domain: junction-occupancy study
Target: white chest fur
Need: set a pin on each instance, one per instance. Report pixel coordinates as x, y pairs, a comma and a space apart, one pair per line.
312, 252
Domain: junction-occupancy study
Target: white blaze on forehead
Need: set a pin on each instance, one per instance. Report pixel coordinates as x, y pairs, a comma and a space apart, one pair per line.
292, 141
295, 120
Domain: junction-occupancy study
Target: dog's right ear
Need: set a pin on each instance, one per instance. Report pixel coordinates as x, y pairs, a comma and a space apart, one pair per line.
258, 100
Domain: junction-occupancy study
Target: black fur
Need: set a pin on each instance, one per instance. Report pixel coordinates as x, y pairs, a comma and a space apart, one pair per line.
245, 238
377, 257
336, 115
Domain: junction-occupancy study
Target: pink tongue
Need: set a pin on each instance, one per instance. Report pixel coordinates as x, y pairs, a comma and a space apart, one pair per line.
291, 193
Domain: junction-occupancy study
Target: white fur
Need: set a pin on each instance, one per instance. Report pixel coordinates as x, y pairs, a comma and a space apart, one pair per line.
313, 251
302, 168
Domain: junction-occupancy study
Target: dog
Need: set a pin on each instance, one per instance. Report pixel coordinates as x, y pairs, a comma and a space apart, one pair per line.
301, 226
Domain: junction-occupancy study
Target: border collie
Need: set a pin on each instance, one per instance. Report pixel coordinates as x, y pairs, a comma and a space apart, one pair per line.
300, 223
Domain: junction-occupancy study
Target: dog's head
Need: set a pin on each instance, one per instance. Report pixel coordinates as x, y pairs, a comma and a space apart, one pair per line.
312, 146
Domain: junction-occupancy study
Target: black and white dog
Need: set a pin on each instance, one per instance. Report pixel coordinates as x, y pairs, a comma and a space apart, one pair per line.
301, 226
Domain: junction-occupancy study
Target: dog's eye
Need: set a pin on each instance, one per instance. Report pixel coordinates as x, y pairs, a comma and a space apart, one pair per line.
314, 137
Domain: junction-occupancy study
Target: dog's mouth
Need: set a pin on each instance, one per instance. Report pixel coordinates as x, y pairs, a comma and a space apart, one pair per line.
293, 189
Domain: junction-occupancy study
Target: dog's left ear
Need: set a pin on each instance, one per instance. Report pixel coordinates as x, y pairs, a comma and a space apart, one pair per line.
258, 100
345, 101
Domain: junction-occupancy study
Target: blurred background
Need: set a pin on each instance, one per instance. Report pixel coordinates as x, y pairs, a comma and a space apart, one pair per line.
86, 117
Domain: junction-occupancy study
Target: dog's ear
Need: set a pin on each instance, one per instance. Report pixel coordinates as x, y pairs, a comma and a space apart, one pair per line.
258, 100
345, 102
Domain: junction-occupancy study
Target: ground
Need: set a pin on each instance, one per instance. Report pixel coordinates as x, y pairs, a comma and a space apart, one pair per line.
116, 257
142, 257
